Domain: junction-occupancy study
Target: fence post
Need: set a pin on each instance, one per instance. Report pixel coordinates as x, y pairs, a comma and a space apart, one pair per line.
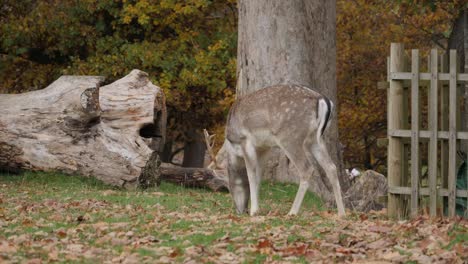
395, 118
452, 174
433, 127
415, 161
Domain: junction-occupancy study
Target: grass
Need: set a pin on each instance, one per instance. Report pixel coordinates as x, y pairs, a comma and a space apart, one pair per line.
40, 185
47, 202
61, 218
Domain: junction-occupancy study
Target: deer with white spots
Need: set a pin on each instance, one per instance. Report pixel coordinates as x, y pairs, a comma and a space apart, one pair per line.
290, 117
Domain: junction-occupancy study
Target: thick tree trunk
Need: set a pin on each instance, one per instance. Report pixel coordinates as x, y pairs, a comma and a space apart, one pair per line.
291, 42
194, 150
76, 126
459, 40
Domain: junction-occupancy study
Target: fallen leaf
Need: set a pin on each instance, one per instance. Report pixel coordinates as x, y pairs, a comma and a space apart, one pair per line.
265, 246
393, 256
61, 233
343, 250
229, 257
53, 255
333, 238
75, 248
379, 229
294, 250
381, 243
6, 247
34, 261
176, 252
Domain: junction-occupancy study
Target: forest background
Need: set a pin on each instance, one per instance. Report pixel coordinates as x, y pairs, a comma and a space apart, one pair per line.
189, 50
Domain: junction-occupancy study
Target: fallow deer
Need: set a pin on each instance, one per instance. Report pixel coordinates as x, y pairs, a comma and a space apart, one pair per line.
290, 117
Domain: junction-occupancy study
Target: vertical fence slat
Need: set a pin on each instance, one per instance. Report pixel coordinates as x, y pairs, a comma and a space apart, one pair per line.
433, 114
444, 121
395, 147
405, 165
414, 132
452, 133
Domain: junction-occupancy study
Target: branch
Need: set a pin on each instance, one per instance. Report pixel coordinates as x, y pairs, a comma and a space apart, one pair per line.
175, 153
209, 141
193, 177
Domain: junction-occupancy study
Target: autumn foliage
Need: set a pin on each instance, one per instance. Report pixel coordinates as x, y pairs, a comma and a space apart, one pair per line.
365, 30
189, 49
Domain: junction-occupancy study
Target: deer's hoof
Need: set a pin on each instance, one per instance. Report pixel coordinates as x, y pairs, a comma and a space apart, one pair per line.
292, 213
341, 214
253, 213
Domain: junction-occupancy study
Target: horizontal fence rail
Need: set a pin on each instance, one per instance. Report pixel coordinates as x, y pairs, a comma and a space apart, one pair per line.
400, 76
425, 134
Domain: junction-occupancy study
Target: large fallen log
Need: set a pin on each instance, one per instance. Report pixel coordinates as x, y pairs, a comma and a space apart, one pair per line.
76, 126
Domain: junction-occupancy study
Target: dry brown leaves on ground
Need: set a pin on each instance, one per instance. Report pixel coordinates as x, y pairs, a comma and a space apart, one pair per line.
176, 225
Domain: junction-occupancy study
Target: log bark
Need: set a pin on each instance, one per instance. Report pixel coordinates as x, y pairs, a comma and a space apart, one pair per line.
291, 42
192, 177
77, 127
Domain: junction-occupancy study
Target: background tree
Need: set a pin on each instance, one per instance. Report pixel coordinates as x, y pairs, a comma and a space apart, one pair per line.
459, 40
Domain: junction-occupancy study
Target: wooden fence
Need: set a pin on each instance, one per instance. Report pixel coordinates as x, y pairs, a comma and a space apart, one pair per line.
406, 133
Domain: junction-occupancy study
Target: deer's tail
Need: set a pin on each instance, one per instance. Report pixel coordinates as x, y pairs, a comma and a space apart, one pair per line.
324, 111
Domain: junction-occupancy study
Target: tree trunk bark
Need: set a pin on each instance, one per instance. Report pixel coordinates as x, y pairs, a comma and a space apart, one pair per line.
459, 40
291, 42
194, 150
167, 151
76, 126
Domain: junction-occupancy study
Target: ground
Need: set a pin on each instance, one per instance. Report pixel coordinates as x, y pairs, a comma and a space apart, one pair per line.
58, 218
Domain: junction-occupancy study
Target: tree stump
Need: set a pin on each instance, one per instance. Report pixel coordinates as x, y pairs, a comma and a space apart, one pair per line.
364, 194
77, 127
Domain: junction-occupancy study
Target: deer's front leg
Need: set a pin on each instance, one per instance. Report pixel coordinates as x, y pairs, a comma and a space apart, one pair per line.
253, 171
238, 182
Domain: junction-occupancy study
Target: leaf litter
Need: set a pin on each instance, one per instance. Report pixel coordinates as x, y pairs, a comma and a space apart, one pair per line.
167, 226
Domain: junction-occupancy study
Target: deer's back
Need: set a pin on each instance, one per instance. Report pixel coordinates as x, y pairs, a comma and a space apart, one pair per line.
270, 111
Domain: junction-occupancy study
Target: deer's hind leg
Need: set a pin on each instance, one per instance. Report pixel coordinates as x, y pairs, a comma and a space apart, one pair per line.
296, 155
303, 186
316, 145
